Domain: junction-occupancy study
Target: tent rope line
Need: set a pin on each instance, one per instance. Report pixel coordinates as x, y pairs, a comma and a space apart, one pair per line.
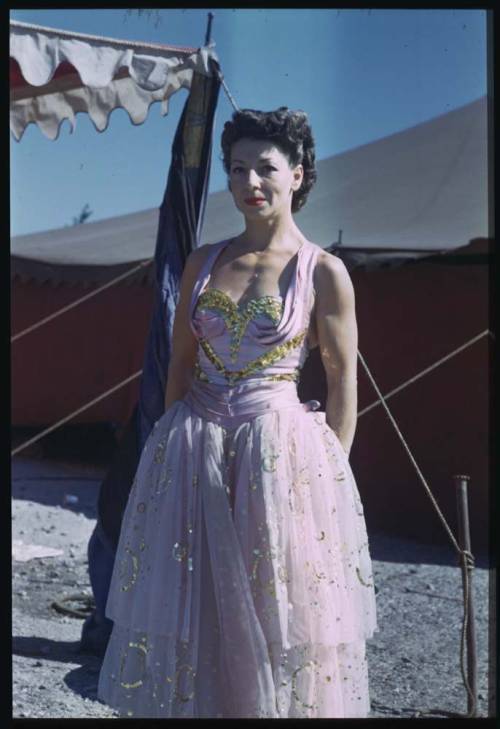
428, 369
137, 374
224, 86
74, 413
57, 313
464, 555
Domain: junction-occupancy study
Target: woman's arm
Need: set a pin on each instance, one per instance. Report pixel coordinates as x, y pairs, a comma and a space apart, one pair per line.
338, 342
184, 343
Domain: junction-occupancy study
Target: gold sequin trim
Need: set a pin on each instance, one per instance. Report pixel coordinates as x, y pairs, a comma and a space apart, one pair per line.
293, 376
179, 552
199, 374
164, 481
265, 360
123, 567
308, 664
268, 462
142, 648
189, 670
237, 318
159, 455
358, 575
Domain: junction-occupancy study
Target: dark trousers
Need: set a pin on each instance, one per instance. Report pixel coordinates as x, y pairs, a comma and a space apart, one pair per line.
97, 627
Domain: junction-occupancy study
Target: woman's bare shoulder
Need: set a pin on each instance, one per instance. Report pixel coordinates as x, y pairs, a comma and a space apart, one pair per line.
200, 253
197, 258
328, 264
331, 275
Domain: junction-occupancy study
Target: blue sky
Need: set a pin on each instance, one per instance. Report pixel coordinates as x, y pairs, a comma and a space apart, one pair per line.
359, 74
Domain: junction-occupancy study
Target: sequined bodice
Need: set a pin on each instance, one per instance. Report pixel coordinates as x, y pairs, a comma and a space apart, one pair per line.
262, 339
237, 318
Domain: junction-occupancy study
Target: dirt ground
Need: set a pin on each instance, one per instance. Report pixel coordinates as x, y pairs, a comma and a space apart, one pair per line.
414, 658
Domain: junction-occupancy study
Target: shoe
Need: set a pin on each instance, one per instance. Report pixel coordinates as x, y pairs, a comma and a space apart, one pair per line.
95, 635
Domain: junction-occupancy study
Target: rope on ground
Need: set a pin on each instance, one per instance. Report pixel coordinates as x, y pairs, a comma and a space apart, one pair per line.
416, 377
75, 413
79, 301
464, 555
83, 599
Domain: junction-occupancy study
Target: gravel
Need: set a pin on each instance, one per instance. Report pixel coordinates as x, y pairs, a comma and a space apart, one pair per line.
414, 657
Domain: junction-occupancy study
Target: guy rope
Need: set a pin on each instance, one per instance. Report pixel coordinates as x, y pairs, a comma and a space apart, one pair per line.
465, 555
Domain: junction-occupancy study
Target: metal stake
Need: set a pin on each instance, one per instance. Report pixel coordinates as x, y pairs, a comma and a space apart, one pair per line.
465, 544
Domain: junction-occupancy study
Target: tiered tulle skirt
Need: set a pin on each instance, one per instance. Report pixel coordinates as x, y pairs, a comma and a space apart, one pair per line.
243, 583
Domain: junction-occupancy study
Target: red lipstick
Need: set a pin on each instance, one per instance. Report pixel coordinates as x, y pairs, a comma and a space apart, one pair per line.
255, 200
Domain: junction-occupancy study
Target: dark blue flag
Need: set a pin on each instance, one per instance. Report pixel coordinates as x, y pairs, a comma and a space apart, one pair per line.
180, 223
181, 219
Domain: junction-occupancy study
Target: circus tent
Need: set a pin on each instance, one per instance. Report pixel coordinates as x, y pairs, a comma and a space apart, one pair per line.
422, 189
407, 213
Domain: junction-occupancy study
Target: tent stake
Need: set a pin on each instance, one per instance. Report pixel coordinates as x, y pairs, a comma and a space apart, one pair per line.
467, 568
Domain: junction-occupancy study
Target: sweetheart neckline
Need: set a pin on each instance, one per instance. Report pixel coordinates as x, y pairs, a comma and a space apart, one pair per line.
239, 305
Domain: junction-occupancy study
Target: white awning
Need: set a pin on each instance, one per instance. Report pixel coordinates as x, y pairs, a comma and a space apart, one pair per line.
55, 74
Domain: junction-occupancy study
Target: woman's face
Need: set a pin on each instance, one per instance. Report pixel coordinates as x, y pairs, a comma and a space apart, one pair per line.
261, 179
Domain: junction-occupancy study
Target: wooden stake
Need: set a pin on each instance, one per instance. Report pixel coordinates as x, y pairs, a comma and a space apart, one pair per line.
465, 544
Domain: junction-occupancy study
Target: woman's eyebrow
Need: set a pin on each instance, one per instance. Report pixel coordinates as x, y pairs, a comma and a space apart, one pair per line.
260, 159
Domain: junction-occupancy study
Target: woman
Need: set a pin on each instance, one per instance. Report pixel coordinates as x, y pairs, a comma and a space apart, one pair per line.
242, 585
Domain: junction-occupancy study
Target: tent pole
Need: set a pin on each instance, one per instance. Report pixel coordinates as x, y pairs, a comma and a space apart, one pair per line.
208, 34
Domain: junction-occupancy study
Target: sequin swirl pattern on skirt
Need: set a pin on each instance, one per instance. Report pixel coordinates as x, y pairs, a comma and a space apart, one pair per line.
243, 583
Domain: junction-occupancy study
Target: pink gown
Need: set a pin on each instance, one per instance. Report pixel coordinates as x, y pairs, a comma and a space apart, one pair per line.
243, 582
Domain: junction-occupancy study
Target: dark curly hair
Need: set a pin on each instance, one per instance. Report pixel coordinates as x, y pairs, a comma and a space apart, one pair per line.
288, 130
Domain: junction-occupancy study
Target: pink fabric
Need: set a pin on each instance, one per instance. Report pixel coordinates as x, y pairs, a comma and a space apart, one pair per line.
243, 583
260, 333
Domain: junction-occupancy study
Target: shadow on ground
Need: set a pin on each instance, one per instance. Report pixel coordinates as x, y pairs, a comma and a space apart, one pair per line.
52, 490
386, 547
62, 651
70, 461
82, 680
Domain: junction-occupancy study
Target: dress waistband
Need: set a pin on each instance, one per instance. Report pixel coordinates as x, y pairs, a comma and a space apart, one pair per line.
231, 406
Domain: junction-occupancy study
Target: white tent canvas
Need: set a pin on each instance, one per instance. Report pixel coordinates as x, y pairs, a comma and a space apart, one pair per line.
425, 188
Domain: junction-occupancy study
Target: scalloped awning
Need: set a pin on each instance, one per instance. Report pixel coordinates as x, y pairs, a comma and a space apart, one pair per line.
55, 74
